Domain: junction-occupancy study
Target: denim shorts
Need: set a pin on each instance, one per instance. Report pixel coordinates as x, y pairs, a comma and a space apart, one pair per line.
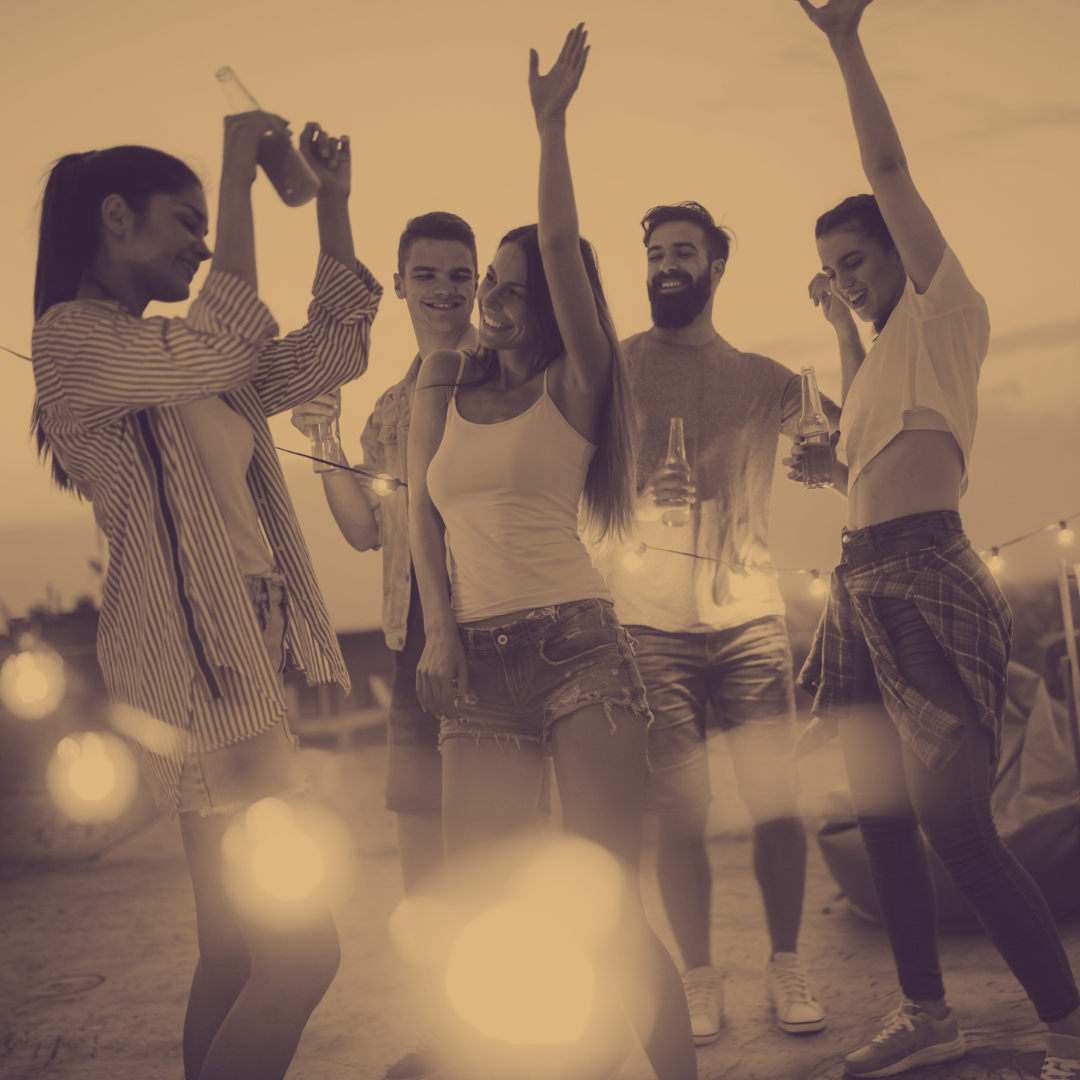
745, 674
530, 674
225, 780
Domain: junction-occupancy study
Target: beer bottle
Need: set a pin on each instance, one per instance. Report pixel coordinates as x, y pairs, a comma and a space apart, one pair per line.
325, 444
677, 516
285, 168
817, 452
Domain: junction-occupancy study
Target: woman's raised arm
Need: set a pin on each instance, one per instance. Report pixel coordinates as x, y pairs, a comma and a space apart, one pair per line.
914, 231
588, 350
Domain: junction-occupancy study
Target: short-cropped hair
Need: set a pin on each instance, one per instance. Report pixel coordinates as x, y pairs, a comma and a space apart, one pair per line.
717, 238
438, 225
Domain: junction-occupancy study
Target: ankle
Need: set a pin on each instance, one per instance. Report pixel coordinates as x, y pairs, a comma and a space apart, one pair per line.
936, 1009
1067, 1025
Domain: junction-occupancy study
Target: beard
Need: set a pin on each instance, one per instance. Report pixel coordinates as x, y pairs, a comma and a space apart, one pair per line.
675, 310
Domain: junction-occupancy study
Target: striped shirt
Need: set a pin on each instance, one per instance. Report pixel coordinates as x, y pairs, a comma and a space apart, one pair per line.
177, 624
959, 599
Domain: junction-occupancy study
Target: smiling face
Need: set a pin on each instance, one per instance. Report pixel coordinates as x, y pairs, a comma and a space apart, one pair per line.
504, 318
438, 285
160, 248
869, 278
681, 278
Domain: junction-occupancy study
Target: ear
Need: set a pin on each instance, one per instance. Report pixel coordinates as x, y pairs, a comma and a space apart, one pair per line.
116, 215
399, 287
716, 271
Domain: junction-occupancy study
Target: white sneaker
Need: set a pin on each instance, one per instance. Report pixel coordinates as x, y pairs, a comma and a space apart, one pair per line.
1062, 1057
705, 996
796, 1010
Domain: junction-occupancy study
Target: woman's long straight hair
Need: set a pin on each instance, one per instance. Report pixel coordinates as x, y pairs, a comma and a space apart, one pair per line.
70, 220
611, 483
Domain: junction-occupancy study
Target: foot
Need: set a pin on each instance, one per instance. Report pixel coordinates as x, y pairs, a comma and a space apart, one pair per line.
796, 1010
705, 996
909, 1036
431, 1057
1062, 1058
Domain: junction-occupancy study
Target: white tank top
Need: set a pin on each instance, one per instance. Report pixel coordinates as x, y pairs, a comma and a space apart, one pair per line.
508, 494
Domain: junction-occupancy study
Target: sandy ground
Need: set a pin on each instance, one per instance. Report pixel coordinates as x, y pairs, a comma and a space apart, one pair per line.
97, 958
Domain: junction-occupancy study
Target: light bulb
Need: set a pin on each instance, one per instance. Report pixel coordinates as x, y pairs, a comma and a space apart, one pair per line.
385, 484
632, 557
818, 587
995, 562
1065, 535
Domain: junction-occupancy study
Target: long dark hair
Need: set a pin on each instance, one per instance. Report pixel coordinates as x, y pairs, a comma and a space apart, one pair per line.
610, 485
70, 220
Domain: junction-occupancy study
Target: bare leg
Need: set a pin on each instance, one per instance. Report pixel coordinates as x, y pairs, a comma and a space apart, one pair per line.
601, 776
420, 849
288, 974
685, 876
780, 868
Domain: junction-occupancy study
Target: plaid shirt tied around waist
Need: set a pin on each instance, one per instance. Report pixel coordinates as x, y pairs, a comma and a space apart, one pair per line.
959, 599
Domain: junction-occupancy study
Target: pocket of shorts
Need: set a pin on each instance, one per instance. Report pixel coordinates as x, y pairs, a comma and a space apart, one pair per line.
582, 634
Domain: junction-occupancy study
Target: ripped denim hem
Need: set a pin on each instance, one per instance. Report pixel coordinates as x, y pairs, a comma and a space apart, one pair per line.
502, 738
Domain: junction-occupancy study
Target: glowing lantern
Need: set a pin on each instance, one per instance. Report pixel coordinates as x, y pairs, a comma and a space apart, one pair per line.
92, 776
32, 681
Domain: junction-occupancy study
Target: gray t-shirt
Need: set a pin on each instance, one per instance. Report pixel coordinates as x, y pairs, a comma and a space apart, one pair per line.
735, 406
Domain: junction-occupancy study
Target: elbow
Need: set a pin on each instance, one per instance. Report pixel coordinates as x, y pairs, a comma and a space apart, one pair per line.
885, 164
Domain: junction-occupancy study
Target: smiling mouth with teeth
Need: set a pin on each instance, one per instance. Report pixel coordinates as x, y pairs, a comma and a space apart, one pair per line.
489, 321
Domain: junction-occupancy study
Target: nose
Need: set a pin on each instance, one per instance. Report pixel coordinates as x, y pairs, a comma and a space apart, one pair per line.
203, 251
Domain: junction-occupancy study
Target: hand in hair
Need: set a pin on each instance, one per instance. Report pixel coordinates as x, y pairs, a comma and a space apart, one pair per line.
832, 306
330, 160
242, 134
551, 93
837, 17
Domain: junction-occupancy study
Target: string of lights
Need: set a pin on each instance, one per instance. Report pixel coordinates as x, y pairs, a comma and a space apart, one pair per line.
632, 558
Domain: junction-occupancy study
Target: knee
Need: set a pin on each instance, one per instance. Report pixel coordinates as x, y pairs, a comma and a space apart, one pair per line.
301, 968
888, 836
682, 830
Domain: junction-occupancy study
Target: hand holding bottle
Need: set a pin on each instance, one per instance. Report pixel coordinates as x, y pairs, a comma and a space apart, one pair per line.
329, 158
243, 134
669, 488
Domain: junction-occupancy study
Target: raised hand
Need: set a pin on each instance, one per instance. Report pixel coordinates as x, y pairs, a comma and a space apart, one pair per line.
329, 159
837, 17
324, 409
243, 132
551, 93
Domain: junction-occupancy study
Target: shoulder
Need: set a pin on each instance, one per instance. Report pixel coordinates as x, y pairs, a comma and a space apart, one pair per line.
948, 290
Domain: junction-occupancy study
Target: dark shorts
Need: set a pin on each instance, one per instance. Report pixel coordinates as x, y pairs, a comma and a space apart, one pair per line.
530, 674
745, 674
225, 780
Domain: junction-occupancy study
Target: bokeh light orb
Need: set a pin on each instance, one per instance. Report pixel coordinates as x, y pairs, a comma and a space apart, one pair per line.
92, 777
284, 862
423, 929
518, 977
32, 683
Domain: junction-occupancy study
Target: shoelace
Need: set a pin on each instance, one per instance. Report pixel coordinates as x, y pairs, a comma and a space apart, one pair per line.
1056, 1068
894, 1022
793, 984
701, 992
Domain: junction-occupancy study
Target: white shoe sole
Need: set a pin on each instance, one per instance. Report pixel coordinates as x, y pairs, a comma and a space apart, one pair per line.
707, 1040
928, 1055
807, 1028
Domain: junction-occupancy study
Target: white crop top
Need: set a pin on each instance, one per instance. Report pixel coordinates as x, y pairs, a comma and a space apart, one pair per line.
508, 494
922, 372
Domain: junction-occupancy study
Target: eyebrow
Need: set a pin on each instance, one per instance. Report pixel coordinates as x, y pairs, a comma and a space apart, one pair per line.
197, 212
516, 284
435, 270
677, 244
846, 255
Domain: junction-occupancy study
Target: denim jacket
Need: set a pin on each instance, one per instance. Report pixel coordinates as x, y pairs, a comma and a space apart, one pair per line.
384, 443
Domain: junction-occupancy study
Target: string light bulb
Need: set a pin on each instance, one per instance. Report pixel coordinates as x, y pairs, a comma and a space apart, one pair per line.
995, 562
1065, 535
385, 484
632, 559
818, 586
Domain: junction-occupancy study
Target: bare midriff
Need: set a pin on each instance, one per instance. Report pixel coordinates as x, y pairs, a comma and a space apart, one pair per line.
916, 472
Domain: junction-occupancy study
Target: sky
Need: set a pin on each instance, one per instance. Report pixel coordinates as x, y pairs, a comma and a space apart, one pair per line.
736, 104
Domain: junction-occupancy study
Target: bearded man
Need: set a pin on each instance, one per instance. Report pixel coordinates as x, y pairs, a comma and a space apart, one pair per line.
709, 620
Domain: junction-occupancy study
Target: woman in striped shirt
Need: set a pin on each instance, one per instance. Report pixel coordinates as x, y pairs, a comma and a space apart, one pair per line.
161, 423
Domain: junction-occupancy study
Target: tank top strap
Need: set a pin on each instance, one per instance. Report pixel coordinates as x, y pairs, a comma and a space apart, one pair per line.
460, 372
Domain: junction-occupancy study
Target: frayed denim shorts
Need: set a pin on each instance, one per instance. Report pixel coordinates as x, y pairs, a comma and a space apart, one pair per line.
528, 675
232, 777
